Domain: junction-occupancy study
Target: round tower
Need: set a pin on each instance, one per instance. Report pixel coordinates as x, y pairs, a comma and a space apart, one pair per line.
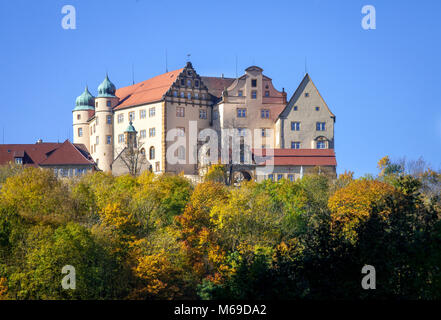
84, 108
103, 139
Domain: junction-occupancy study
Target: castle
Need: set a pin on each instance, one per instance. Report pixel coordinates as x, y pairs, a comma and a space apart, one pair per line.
298, 134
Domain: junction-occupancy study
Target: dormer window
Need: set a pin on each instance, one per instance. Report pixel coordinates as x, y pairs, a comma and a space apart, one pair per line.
19, 160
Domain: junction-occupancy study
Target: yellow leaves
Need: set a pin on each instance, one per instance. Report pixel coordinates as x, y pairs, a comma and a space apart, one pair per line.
157, 274
3, 289
353, 205
114, 216
382, 164
216, 173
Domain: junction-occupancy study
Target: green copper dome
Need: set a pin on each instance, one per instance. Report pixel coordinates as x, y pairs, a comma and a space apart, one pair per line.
85, 101
106, 88
130, 128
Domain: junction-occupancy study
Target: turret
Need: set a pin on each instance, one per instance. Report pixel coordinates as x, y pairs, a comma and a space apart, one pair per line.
130, 136
84, 108
103, 138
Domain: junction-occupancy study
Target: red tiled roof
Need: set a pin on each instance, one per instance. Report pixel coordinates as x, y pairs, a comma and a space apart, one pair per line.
297, 157
46, 153
147, 91
66, 153
216, 85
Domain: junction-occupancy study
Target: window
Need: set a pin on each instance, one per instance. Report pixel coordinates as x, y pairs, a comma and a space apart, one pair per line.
132, 116
78, 116
188, 83
295, 108
203, 96
152, 153
240, 93
254, 83
175, 93
254, 94
120, 138
109, 119
196, 83
152, 132
196, 95
320, 126
97, 140
142, 134
264, 113
321, 145
295, 145
182, 94
189, 95
290, 177
241, 113
142, 114
306, 94
19, 160
56, 172
96, 104
157, 166
108, 103
317, 108
180, 111
109, 139
271, 177
143, 151
181, 153
182, 82
80, 132
94, 129
121, 117
295, 126
279, 176
152, 112
241, 131
266, 93
96, 121
202, 114
265, 132
181, 131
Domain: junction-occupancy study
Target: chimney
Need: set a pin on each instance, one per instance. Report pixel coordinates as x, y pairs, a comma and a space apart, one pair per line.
39, 141
222, 75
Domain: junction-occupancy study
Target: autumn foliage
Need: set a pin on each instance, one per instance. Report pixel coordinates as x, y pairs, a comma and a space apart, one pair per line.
162, 237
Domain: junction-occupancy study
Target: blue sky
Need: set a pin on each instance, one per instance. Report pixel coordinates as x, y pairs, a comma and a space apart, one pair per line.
383, 85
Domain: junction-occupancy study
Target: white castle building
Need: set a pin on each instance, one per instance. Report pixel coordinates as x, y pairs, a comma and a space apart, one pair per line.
296, 135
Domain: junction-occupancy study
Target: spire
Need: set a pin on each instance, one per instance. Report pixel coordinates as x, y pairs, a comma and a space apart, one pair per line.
85, 101
106, 88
